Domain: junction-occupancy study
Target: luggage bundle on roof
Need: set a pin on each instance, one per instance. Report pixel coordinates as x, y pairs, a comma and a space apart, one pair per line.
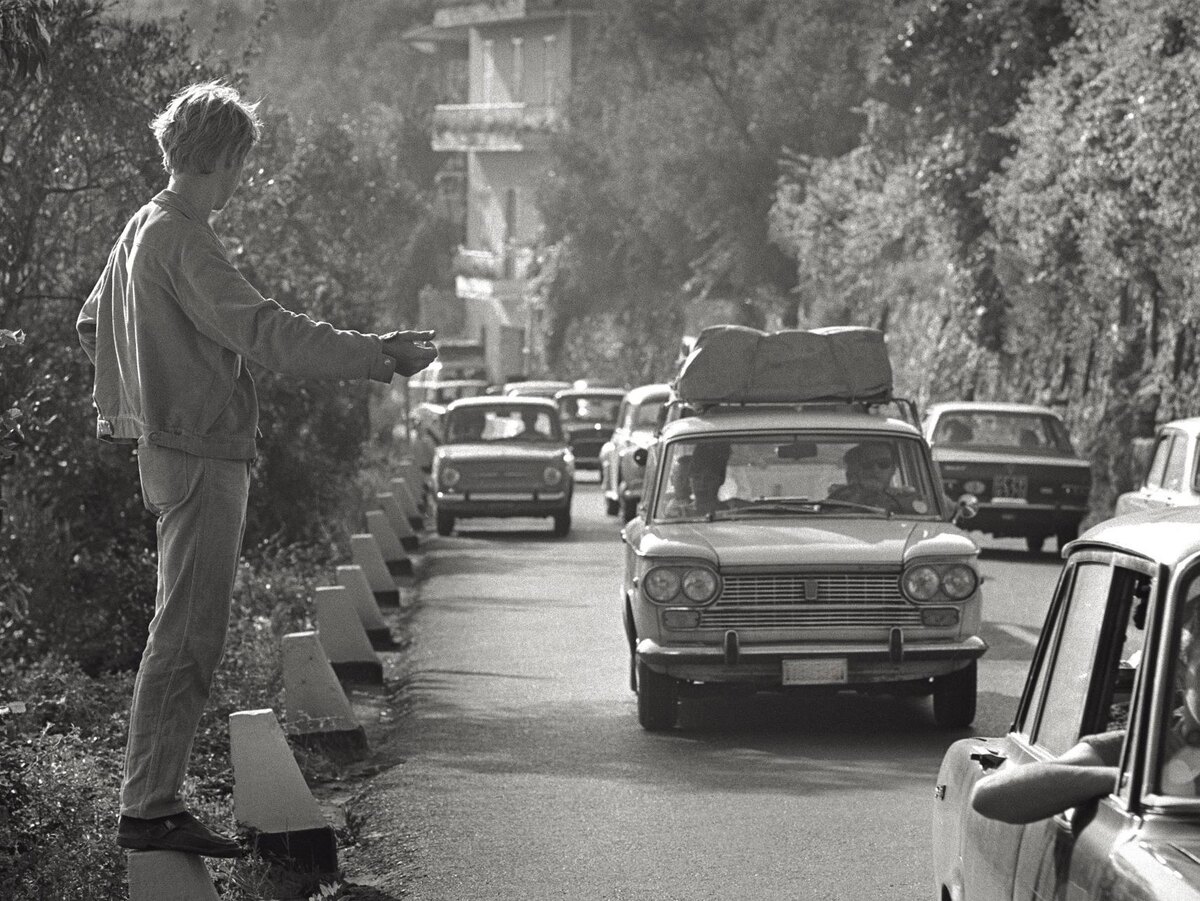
733, 364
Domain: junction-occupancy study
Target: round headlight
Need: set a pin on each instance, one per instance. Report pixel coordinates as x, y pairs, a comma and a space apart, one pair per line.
552, 475
448, 476
699, 585
921, 583
959, 581
661, 584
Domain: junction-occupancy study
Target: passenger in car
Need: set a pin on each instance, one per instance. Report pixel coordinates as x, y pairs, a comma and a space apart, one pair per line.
707, 475
955, 431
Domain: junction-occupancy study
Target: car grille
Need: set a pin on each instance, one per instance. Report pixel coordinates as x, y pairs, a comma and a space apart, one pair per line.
494, 475
810, 601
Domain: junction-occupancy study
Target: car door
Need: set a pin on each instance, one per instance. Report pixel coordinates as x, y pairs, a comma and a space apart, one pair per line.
1092, 686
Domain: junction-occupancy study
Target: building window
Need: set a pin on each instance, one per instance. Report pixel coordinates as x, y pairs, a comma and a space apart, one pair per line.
549, 43
518, 69
489, 69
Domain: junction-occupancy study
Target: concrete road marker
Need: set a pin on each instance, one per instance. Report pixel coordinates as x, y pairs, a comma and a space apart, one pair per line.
318, 713
343, 637
407, 498
364, 550
395, 557
417, 480
354, 580
271, 798
155, 875
397, 520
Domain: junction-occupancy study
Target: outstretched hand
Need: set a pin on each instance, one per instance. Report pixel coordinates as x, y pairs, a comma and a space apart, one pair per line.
411, 351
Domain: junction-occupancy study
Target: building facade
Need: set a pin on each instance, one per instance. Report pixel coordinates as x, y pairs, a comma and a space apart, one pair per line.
519, 61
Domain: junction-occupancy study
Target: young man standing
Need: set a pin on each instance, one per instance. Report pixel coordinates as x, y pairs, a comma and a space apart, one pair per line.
169, 326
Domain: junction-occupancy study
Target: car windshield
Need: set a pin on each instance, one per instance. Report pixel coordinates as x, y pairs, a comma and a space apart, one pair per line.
801, 474
1039, 433
512, 423
589, 408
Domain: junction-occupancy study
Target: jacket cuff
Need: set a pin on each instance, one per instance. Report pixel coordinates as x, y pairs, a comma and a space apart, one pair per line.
382, 369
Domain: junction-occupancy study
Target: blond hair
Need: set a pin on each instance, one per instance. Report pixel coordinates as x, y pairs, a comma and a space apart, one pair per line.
206, 126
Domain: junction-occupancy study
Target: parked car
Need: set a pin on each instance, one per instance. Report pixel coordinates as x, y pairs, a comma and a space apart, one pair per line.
1018, 462
502, 457
1173, 476
798, 547
588, 417
534, 388
1115, 656
637, 419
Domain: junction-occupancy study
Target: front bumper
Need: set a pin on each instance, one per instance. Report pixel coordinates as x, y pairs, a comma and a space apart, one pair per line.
483, 503
763, 664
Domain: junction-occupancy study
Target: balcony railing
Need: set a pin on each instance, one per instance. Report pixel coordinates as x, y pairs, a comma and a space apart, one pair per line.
511, 263
493, 126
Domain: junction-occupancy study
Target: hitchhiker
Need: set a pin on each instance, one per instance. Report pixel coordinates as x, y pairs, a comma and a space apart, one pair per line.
169, 327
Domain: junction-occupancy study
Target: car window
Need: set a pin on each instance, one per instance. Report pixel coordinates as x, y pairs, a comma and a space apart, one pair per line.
1174, 475
800, 473
1158, 464
582, 408
1072, 662
1036, 433
1179, 744
508, 423
645, 415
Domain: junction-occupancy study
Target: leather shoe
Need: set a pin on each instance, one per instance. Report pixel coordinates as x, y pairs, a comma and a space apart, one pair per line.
178, 832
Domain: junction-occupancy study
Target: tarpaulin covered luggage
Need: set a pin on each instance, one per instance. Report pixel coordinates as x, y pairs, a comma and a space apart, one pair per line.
736, 364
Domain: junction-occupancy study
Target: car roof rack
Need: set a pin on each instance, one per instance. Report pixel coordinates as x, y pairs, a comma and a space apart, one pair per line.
677, 408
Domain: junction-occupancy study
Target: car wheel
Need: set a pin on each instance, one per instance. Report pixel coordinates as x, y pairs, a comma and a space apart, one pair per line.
954, 698
611, 507
1066, 536
627, 507
657, 699
1035, 543
445, 523
562, 523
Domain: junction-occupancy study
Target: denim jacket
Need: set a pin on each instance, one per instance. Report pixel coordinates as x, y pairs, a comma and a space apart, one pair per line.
169, 325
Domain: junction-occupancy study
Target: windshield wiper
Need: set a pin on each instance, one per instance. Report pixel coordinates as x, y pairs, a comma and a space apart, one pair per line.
850, 505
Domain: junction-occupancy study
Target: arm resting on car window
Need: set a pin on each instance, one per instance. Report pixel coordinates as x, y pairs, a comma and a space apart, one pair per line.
1034, 791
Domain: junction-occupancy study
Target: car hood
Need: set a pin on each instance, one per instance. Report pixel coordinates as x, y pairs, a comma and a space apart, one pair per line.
772, 542
491, 451
960, 455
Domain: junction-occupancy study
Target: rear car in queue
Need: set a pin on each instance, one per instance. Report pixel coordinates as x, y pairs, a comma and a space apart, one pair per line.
588, 417
502, 457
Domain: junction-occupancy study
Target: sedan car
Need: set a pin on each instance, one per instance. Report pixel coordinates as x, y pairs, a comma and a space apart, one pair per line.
1173, 476
786, 548
1018, 462
637, 419
1116, 663
502, 457
588, 416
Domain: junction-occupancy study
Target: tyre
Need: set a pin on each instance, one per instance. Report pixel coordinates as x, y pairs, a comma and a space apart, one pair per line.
1066, 535
627, 506
1035, 543
562, 523
657, 699
611, 507
954, 698
445, 523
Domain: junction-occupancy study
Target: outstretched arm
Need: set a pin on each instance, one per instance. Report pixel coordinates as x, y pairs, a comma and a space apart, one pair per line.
1034, 791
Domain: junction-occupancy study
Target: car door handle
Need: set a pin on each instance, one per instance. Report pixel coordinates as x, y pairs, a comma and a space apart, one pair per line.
988, 759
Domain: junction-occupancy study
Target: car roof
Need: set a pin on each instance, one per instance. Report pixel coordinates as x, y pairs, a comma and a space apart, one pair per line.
987, 406
773, 418
493, 400
643, 393
456, 383
1191, 426
1166, 535
591, 392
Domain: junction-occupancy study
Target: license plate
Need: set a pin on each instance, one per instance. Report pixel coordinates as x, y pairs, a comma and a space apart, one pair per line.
814, 672
1016, 487
500, 496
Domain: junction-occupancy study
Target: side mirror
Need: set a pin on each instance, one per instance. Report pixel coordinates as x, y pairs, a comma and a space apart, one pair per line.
966, 508
640, 456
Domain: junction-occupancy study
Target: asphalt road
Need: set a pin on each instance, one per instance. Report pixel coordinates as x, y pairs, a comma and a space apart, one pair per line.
527, 777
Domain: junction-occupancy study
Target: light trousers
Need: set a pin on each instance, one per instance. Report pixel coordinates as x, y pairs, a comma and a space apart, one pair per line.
201, 507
